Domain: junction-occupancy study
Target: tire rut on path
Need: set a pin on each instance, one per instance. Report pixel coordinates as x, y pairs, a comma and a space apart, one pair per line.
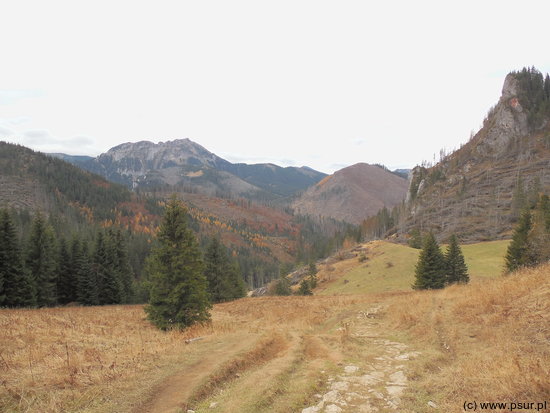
173, 392
375, 387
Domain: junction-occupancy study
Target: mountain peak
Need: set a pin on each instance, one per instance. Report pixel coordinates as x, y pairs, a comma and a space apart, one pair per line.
184, 163
353, 193
510, 87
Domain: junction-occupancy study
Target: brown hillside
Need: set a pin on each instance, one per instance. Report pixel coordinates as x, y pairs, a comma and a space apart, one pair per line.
353, 193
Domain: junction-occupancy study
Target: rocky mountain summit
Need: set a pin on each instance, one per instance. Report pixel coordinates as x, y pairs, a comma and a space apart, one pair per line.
185, 164
479, 190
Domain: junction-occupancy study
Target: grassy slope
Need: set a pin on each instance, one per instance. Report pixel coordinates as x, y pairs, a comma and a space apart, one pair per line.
485, 259
486, 341
390, 267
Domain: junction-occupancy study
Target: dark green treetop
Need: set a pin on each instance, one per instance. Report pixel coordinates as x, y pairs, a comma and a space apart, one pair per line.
430, 269
457, 271
516, 255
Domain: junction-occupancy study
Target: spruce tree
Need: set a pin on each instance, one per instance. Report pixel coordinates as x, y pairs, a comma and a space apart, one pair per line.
86, 291
312, 272
122, 266
305, 287
430, 268
517, 253
538, 239
238, 286
178, 295
457, 271
282, 286
224, 279
5, 242
215, 271
17, 289
415, 240
66, 277
103, 264
40, 261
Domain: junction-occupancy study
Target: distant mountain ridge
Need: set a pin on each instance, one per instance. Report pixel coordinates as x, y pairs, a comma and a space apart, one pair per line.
353, 193
184, 163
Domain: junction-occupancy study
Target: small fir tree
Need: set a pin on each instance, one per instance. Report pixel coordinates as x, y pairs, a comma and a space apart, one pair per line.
430, 268
517, 253
66, 277
457, 271
224, 279
86, 291
415, 240
236, 281
103, 265
282, 287
538, 239
178, 294
216, 264
305, 287
122, 267
40, 261
17, 289
312, 272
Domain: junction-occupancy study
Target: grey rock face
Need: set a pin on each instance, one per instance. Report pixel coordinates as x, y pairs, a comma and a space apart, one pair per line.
508, 118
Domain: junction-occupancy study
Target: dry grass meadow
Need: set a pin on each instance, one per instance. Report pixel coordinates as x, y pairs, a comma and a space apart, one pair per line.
487, 341
99, 359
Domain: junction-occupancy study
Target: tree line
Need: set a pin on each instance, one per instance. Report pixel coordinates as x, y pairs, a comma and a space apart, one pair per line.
45, 271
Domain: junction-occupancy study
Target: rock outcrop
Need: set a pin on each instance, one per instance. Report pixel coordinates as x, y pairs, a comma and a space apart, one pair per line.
478, 191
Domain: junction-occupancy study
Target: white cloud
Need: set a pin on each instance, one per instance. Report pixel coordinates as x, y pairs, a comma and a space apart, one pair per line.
44, 141
16, 121
9, 97
39, 138
5, 132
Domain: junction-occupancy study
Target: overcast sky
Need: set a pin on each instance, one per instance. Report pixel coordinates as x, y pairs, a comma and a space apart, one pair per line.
319, 83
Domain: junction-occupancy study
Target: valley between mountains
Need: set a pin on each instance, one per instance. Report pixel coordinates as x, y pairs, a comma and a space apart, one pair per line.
317, 305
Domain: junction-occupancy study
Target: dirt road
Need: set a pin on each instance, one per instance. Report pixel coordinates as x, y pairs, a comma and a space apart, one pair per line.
343, 364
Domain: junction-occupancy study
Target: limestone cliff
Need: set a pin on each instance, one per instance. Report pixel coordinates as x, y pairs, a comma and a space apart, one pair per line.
477, 191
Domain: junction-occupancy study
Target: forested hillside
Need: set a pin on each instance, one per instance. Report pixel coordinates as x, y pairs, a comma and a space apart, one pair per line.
86, 220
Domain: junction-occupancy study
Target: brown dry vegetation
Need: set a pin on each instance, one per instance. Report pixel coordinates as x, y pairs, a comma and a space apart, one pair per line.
84, 358
488, 341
